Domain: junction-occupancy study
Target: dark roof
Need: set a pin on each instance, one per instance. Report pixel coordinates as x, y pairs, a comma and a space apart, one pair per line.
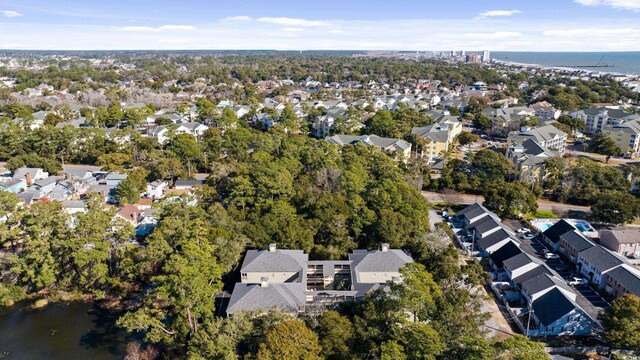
629, 280
472, 211
493, 239
536, 271
600, 258
485, 224
507, 251
517, 261
543, 282
552, 306
576, 240
188, 182
561, 227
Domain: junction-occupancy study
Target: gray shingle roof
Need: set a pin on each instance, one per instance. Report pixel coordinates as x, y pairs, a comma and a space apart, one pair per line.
539, 134
600, 258
536, 271
518, 261
277, 261
543, 282
373, 140
484, 225
188, 182
493, 239
288, 297
629, 280
621, 236
379, 261
576, 240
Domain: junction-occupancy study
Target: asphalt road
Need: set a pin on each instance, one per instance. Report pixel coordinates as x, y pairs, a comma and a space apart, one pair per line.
542, 204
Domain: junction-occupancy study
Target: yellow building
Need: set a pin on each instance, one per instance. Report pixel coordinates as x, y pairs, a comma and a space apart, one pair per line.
626, 136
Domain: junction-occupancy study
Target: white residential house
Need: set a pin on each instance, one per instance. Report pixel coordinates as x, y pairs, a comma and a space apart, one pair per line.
156, 189
545, 111
161, 133
192, 128
30, 174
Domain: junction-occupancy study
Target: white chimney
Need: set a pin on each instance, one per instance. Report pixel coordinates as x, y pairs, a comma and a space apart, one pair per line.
264, 282
385, 247
396, 280
272, 247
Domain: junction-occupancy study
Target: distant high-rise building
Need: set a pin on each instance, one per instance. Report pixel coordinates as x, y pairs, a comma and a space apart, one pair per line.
473, 58
463, 53
486, 56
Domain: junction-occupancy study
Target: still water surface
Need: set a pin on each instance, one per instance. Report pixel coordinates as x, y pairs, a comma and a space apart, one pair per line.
60, 331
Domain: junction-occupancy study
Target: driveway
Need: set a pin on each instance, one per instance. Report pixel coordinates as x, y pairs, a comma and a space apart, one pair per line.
434, 218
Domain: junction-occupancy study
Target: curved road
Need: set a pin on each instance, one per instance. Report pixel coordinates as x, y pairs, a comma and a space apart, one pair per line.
542, 204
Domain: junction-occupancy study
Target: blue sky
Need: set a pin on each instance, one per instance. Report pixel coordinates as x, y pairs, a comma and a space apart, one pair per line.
519, 25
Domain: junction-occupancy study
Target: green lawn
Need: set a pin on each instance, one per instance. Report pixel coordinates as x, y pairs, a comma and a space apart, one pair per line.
542, 214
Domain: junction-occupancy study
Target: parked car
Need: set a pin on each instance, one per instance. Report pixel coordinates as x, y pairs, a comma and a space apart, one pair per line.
551, 255
529, 236
562, 267
577, 281
523, 230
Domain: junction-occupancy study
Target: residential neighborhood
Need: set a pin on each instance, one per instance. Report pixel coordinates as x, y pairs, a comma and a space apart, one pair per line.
381, 204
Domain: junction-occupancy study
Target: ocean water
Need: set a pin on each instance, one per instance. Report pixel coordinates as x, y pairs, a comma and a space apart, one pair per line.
620, 62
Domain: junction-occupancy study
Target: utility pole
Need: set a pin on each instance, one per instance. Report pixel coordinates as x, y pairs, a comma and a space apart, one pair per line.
473, 241
529, 319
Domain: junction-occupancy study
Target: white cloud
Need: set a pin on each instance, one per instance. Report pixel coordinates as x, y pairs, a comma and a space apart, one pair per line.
617, 4
10, 13
292, 21
177, 27
13, 46
592, 32
525, 34
157, 29
493, 35
237, 19
493, 13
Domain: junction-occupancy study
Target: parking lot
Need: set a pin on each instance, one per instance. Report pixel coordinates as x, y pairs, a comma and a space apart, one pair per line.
587, 298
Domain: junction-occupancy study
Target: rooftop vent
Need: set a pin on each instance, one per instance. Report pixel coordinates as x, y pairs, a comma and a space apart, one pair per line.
384, 247
272, 247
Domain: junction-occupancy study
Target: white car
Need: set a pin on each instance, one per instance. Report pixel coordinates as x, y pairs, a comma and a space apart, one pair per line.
577, 281
551, 255
523, 230
530, 236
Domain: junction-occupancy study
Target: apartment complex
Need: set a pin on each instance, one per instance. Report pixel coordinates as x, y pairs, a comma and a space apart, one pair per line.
437, 137
506, 119
626, 136
596, 119
384, 144
530, 160
547, 136
289, 281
